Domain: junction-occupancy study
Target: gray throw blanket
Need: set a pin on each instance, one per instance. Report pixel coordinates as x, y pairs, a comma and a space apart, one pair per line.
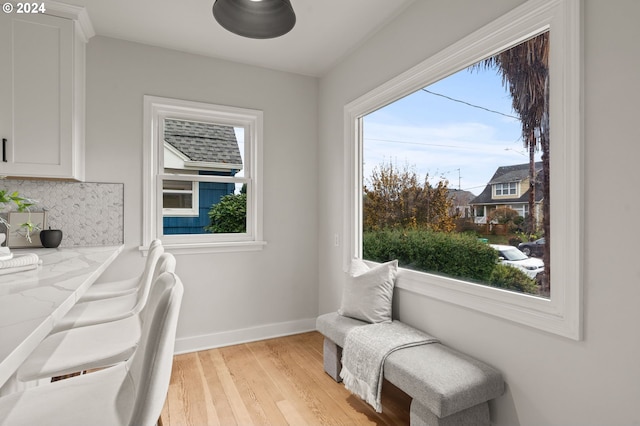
365, 350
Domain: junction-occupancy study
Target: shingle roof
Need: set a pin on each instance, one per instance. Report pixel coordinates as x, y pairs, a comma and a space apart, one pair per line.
211, 143
505, 174
460, 197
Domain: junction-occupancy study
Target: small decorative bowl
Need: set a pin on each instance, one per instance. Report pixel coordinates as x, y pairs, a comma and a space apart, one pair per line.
50, 238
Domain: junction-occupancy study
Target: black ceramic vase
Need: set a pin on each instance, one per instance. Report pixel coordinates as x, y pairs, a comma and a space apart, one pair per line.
50, 238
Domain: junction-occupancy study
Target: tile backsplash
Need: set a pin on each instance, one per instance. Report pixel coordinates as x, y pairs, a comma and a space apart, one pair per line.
89, 214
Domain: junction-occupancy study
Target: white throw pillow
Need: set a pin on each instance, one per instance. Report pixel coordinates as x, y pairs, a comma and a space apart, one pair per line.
368, 292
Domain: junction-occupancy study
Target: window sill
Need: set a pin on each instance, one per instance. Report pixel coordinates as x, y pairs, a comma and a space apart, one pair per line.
533, 311
217, 247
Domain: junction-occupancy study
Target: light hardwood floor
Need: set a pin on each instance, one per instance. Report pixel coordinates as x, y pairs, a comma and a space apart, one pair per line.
272, 382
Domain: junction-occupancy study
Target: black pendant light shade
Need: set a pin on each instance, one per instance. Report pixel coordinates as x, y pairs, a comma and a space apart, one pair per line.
255, 18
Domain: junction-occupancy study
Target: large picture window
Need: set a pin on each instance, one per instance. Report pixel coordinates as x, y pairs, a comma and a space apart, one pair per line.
463, 139
413, 167
202, 170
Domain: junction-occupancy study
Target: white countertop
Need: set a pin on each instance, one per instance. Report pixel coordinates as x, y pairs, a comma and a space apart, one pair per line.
31, 301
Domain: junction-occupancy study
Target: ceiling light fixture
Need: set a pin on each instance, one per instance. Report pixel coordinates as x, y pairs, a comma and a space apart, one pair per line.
255, 18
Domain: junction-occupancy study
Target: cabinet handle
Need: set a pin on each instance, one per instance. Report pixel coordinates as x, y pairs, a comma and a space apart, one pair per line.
4, 150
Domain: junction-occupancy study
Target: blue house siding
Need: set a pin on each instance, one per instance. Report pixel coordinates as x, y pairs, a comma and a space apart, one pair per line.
209, 193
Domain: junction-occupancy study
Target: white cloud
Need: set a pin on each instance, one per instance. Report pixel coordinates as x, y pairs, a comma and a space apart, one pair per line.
473, 148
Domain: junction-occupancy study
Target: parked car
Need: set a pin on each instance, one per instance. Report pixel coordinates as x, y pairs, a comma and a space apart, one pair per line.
532, 248
509, 255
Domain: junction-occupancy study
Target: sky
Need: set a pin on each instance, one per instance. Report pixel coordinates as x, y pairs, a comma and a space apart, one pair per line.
447, 139
239, 131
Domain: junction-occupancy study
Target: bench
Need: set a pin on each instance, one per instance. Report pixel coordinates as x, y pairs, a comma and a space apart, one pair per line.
447, 387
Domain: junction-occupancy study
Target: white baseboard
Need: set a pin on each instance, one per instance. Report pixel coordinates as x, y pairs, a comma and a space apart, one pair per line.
243, 335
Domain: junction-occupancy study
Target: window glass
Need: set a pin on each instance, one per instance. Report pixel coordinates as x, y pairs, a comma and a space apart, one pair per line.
448, 144
202, 149
178, 197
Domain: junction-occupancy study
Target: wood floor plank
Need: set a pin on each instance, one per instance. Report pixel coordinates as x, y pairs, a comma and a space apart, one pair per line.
210, 407
271, 382
256, 389
356, 411
271, 363
239, 410
293, 382
291, 414
192, 403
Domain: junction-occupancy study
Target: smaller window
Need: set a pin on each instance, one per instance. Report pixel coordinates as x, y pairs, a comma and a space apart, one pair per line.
202, 170
179, 198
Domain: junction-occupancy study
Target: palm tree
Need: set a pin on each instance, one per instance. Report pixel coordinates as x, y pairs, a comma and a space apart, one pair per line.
525, 73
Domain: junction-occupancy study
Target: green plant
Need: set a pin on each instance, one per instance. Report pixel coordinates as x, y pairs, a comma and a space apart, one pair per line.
504, 216
510, 278
452, 254
529, 236
22, 204
229, 215
15, 198
514, 241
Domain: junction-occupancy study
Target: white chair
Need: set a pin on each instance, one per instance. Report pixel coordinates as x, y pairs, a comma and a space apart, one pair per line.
129, 393
120, 288
110, 309
93, 346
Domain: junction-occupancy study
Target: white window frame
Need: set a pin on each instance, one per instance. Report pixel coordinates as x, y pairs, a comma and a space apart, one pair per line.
156, 109
180, 212
502, 190
560, 314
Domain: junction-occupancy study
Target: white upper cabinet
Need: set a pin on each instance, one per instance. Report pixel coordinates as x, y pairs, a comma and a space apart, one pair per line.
42, 79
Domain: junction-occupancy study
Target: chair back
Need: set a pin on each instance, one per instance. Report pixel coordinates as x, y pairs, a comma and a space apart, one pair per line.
150, 366
166, 263
156, 250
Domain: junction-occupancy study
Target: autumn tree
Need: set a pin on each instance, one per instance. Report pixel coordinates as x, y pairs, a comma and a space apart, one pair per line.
395, 198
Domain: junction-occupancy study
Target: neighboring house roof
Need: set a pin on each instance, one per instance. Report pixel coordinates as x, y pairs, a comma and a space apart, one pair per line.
203, 142
460, 197
505, 174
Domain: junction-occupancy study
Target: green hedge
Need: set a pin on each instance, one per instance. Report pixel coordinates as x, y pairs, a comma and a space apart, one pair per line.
510, 278
452, 254
456, 255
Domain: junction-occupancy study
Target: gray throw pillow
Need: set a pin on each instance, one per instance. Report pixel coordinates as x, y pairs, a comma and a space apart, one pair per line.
368, 292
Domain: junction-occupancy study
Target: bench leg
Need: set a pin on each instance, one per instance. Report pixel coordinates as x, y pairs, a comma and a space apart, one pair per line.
332, 357
475, 416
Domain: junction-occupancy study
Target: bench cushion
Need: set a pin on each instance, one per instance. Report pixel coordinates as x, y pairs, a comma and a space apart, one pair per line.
336, 327
444, 380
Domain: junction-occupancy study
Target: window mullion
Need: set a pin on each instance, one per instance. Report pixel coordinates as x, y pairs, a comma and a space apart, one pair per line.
204, 178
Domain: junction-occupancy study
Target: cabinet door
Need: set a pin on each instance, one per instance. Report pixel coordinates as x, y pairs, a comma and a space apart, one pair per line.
36, 93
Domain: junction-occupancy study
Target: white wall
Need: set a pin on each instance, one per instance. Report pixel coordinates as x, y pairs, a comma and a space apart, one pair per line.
550, 380
234, 296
